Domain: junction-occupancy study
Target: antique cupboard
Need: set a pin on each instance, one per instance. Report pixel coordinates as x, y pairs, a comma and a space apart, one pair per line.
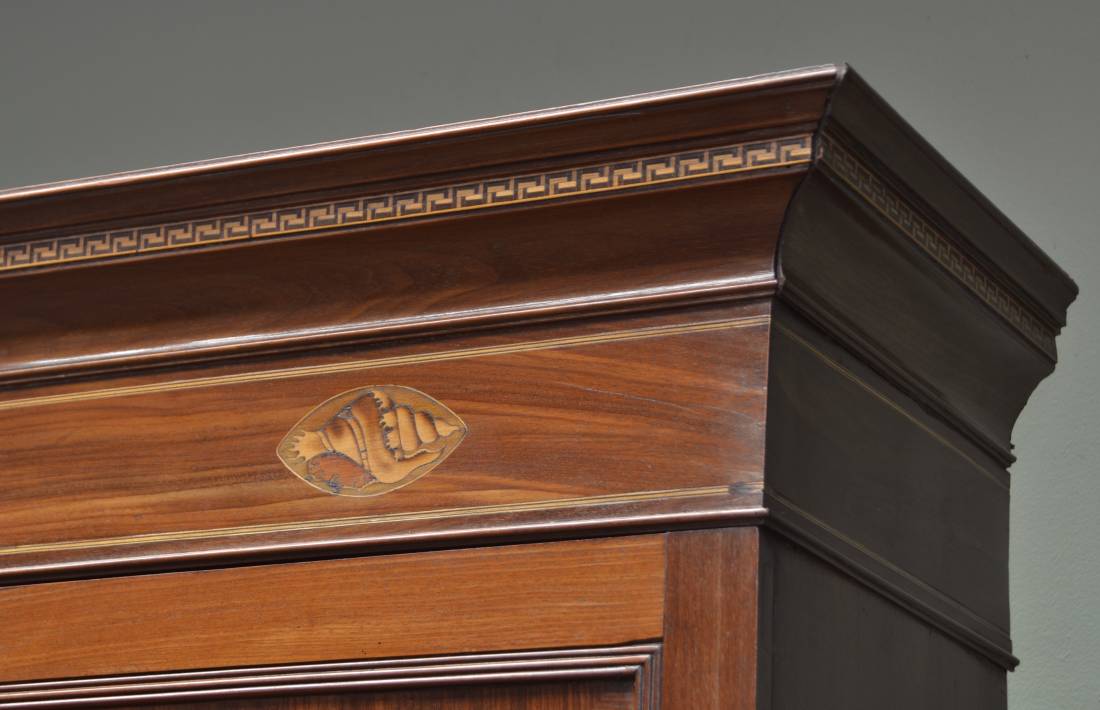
695, 399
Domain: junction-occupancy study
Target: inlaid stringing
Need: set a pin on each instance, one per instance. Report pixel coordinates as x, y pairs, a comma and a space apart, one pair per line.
393, 361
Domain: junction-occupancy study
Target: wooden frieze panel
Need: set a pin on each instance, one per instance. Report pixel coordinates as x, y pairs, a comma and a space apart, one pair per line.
620, 423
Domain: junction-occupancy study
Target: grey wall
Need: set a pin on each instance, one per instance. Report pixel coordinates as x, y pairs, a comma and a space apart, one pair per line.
1007, 90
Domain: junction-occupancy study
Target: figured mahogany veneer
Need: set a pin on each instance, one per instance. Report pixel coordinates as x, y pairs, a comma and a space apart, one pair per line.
385, 606
691, 400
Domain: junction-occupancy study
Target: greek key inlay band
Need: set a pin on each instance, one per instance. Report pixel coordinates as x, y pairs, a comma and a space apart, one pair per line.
935, 243
432, 201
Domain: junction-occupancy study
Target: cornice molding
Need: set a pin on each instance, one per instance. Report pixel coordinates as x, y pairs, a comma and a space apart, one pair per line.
876, 191
438, 200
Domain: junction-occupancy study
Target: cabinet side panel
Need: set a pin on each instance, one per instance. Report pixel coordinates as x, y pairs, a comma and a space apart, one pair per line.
861, 469
838, 644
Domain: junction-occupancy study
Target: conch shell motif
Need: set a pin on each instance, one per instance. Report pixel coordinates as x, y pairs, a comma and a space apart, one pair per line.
371, 440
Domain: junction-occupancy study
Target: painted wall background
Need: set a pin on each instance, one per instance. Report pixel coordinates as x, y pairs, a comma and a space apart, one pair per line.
1008, 91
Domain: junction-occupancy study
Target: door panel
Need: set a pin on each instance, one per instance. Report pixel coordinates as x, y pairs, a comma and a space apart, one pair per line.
550, 595
600, 677
591, 695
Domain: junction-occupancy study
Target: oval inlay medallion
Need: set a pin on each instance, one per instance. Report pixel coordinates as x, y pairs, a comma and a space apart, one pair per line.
371, 440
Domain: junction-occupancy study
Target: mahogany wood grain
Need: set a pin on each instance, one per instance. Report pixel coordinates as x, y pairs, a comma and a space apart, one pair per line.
598, 695
595, 592
464, 270
631, 670
649, 408
712, 602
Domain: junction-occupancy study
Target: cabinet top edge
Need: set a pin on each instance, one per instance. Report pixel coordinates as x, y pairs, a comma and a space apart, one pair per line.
814, 77
827, 100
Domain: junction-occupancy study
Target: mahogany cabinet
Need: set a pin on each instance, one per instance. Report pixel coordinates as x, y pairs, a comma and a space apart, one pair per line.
695, 399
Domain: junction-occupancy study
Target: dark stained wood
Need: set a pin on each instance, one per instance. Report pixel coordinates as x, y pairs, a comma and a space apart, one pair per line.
699, 399
834, 643
887, 139
854, 462
847, 267
567, 594
711, 656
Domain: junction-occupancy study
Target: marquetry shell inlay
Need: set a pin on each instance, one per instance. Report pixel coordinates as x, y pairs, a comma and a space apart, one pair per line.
371, 440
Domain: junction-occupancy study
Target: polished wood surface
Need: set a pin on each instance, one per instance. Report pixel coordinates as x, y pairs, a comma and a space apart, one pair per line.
463, 270
697, 399
833, 643
846, 269
636, 389
536, 596
371, 440
937, 515
711, 620
631, 669
787, 100
559, 696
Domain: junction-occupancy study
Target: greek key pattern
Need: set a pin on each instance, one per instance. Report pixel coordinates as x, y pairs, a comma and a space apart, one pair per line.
936, 244
432, 201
